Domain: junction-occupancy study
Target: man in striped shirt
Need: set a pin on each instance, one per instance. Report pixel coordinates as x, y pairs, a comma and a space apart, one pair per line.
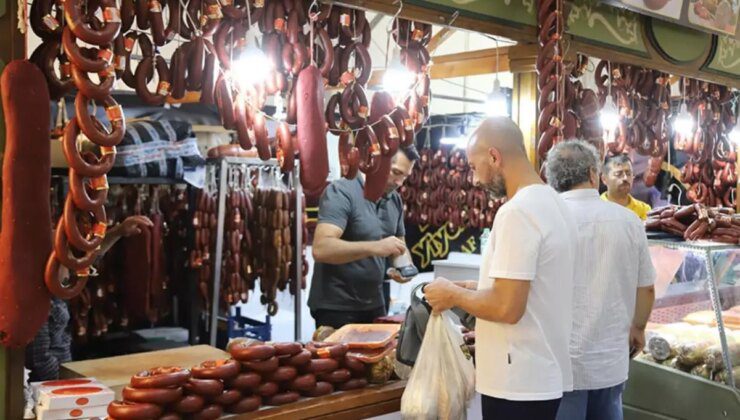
612, 289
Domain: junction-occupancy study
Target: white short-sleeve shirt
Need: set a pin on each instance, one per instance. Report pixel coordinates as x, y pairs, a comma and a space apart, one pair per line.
614, 261
533, 239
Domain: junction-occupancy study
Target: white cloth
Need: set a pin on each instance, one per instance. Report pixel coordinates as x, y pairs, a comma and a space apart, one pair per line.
613, 261
533, 239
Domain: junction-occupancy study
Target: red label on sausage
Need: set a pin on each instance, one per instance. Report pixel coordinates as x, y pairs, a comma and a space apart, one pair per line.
108, 150
128, 44
107, 72
408, 124
99, 229
99, 183
111, 15
66, 70
323, 353
105, 55
214, 11
155, 6
227, 2
345, 19
114, 113
393, 132
51, 22
417, 35
280, 24
163, 88
259, 3
363, 111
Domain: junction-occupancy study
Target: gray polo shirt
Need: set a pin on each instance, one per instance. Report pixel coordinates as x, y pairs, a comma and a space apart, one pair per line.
358, 285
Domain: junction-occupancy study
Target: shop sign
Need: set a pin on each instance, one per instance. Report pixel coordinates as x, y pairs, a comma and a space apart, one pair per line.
714, 16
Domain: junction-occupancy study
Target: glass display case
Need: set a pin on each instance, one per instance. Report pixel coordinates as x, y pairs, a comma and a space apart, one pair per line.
693, 337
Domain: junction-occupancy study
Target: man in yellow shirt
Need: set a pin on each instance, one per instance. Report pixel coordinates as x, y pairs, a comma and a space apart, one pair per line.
618, 177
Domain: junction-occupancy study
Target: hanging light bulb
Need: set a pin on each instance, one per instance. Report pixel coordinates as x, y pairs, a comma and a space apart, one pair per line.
397, 79
251, 68
496, 103
683, 124
609, 116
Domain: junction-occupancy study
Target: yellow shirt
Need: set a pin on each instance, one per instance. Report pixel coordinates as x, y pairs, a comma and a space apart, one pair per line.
640, 208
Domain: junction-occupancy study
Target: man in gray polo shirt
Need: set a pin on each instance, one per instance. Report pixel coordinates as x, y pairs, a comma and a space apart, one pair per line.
353, 239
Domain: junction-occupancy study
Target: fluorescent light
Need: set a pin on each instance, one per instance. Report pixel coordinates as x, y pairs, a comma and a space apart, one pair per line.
397, 78
251, 68
683, 124
609, 116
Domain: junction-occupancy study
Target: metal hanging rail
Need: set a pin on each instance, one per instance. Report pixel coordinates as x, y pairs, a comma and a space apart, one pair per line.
223, 167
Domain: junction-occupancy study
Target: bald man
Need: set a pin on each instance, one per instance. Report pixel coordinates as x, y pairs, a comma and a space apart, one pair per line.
522, 298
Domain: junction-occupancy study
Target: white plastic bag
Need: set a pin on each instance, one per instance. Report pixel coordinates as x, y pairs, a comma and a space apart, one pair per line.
442, 381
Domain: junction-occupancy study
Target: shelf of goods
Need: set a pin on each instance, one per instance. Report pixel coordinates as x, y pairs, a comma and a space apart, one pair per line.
690, 366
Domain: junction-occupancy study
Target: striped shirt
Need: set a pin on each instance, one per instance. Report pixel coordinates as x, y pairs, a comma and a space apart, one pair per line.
51, 345
613, 261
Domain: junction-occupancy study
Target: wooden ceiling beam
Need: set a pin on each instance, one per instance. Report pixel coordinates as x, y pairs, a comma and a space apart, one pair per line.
469, 63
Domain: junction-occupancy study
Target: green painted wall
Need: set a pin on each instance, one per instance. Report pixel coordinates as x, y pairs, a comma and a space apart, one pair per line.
516, 11
682, 44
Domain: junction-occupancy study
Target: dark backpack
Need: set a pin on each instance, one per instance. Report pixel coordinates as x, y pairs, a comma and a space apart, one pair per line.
415, 325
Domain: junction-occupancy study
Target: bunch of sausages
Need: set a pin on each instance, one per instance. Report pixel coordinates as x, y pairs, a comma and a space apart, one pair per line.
237, 277
551, 77
643, 99
710, 171
83, 225
440, 192
272, 252
257, 374
696, 222
204, 223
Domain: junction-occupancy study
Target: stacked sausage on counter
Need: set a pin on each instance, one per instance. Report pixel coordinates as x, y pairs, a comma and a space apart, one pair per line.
440, 192
256, 375
710, 171
259, 238
695, 222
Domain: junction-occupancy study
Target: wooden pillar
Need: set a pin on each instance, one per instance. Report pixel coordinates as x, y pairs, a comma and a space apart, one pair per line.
522, 60
12, 46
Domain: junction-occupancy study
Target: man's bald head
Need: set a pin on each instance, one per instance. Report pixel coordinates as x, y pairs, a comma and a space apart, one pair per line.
500, 133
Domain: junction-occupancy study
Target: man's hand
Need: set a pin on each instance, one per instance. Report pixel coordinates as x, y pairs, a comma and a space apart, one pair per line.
388, 247
440, 294
468, 284
396, 276
132, 225
637, 340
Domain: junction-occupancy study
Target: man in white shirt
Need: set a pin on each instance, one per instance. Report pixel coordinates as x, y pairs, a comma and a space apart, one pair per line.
522, 299
613, 287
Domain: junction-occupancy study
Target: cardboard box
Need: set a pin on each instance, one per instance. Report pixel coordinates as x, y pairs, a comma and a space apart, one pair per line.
77, 396
98, 412
38, 387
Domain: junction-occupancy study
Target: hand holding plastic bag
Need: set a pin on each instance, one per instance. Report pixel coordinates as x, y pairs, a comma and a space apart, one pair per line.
442, 382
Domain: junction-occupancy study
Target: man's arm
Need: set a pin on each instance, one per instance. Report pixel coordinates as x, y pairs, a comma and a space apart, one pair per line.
129, 227
328, 247
643, 306
505, 302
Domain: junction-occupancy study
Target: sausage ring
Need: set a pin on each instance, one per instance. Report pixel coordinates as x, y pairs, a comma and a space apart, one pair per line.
99, 92
144, 73
285, 152
189, 404
72, 230
159, 396
327, 350
204, 387
367, 144
64, 253
78, 189
161, 377
57, 286
75, 159
246, 381
101, 61
216, 369
246, 405
91, 126
125, 410
84, 31
228, 397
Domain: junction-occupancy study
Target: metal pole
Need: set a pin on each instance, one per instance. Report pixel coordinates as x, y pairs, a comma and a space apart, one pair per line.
298, 251
717, 306
219, 250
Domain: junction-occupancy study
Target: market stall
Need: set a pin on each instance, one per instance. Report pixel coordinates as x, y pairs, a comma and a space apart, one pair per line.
297, 93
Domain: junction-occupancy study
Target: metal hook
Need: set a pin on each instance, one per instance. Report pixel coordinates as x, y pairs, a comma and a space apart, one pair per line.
680, 192
389, 26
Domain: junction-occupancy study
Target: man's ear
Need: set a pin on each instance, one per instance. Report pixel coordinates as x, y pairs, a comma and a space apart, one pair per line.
495, 156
